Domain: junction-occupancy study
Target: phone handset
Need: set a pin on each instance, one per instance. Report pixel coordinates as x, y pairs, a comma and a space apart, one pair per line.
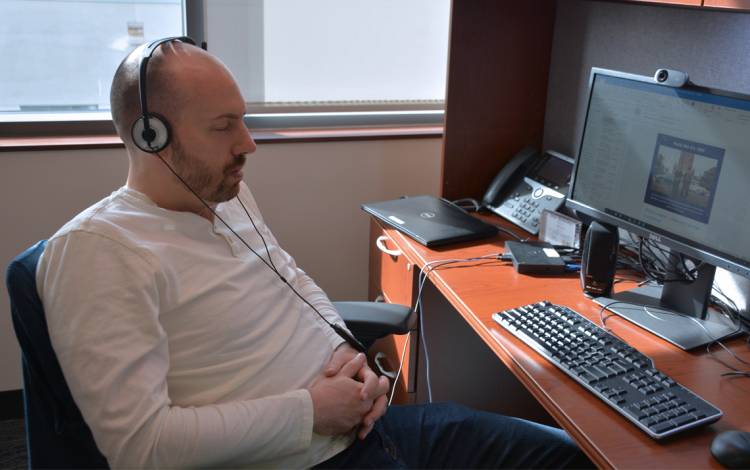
512, 170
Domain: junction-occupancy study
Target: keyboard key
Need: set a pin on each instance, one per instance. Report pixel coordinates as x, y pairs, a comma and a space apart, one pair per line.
649, 422
684, 419
587, 377
612, 371
661, 427
596, 372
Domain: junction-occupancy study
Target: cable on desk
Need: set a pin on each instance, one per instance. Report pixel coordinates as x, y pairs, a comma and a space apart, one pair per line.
603, 319
733, 311
732, 314
424, 274
468, 204
400, 367
475, 206
657, 264
572, 267
511, 233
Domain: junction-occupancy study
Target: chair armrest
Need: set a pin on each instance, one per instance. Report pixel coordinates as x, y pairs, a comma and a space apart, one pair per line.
369, 321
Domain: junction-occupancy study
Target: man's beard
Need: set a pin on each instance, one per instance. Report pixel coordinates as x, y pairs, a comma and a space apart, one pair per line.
211, 187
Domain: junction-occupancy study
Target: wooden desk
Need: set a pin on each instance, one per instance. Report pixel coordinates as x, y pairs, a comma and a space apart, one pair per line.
474, 293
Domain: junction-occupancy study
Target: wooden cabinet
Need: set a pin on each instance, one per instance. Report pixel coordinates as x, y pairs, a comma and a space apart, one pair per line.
740, 5
496, 94
692, 3
392, 271
392, 279
728, 4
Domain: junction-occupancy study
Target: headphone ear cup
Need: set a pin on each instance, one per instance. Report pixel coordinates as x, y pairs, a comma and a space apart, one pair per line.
155, 138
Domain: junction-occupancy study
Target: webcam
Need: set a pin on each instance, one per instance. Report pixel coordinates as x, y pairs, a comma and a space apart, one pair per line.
673, 78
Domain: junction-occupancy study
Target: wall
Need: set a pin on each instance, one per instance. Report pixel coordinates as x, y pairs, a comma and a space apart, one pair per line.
309, 194
711, 46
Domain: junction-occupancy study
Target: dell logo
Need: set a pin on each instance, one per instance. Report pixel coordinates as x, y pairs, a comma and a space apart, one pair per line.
427, 215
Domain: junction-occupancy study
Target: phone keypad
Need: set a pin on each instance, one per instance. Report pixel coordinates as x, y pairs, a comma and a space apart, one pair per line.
527, 211
525, 205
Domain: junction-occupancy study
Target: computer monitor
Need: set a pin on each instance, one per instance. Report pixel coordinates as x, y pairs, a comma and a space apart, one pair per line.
671, 164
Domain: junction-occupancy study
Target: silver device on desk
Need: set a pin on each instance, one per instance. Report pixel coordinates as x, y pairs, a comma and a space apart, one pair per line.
528, 184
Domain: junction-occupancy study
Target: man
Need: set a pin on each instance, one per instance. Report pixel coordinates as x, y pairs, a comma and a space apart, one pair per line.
182, 340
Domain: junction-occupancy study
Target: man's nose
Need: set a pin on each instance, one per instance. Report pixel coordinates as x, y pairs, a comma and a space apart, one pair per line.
246, 143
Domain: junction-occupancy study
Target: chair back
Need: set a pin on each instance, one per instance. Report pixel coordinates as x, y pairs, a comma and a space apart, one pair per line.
56, 434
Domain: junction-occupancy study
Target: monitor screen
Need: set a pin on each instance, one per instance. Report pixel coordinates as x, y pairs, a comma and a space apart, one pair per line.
670, 162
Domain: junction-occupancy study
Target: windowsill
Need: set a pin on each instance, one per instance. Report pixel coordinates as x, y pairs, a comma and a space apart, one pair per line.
353, 133
77, 142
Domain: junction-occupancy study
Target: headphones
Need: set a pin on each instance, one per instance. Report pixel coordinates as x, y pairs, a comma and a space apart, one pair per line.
150, 132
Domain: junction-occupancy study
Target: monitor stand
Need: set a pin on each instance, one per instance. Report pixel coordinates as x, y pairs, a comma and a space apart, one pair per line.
677, 312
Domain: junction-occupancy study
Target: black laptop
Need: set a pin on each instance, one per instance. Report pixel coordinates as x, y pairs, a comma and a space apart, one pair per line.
429, 220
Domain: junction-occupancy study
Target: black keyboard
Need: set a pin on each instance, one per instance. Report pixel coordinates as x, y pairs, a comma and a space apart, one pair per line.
618, 374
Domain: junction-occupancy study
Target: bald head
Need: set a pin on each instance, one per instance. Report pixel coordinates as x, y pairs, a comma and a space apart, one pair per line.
176, 71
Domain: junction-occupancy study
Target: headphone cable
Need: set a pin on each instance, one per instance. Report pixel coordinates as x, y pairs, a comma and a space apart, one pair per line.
344, 334
268, 252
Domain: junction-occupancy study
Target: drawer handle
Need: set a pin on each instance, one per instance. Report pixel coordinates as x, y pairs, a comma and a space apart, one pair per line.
380, 243
380, 363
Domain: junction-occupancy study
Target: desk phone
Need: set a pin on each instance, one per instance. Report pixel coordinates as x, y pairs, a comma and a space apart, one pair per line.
527, 185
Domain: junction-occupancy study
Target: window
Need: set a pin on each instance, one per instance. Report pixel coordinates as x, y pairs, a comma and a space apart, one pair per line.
59, 56
367, 60
329, 54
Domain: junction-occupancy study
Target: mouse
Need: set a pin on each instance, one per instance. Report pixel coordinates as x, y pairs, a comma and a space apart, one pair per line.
732, 449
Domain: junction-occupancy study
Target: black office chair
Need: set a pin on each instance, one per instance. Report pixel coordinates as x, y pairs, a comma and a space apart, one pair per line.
56, 434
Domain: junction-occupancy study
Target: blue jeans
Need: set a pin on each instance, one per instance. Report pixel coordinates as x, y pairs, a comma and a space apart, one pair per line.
449, 435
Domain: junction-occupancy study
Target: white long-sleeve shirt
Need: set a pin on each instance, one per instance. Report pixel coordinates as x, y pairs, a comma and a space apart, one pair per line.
179, 346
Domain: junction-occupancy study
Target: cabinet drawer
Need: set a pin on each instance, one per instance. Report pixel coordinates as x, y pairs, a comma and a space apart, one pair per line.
392, 278
391, 274
391, 349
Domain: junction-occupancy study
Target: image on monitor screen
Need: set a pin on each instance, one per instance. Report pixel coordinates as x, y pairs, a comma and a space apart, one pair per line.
683, 177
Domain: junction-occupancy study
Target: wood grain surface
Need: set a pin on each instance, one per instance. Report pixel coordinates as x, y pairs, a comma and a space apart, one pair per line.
609, 439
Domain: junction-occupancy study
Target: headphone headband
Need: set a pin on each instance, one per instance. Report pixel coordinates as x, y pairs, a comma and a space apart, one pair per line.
147, 137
